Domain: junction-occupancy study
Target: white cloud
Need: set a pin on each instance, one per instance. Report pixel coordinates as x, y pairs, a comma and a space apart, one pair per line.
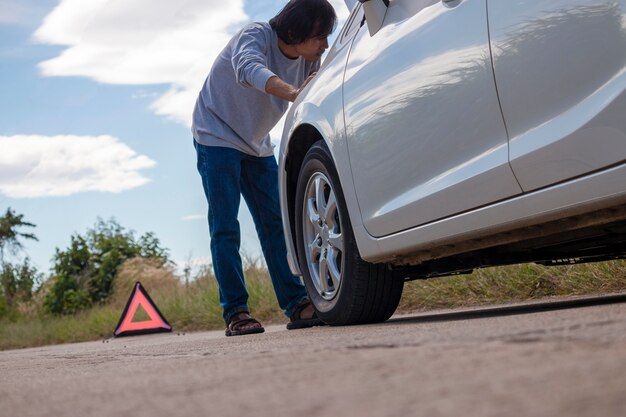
142, 42
193, 266
141, 94
41, 166
195, 217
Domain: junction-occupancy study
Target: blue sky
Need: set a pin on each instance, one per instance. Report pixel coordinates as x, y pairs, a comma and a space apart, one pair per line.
95, 105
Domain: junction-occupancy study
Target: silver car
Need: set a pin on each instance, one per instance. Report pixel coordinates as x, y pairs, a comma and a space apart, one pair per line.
443, 136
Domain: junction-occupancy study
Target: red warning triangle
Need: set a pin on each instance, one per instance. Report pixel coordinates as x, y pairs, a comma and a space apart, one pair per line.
156, 323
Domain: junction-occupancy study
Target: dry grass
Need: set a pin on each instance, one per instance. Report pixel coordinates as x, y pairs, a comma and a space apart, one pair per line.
187, 307
195, 306
513, 284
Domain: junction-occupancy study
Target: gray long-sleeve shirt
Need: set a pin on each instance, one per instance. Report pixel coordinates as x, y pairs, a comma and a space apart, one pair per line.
233, 110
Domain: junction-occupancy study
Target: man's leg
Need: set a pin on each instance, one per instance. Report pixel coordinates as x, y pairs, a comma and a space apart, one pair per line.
220, 169
259, 186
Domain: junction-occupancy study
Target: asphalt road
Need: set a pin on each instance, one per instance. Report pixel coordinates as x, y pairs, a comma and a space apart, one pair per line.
555, 359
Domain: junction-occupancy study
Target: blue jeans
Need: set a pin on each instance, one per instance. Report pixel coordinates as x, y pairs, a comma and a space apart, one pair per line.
227, 174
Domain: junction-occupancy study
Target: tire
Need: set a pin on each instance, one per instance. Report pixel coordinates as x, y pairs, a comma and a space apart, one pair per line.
344, 288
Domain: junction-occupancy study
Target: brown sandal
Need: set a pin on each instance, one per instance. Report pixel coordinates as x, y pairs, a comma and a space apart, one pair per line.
297, 322
238, 322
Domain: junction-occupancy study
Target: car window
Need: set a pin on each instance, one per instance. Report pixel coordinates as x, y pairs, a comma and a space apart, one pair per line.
354, 23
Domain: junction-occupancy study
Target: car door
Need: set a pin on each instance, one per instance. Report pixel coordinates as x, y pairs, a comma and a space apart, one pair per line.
425, 133
560, 71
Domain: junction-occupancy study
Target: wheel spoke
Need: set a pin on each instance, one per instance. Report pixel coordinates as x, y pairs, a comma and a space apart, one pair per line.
319, 198
314, 249
336, 241
312, 213
323, 272
335, 275
329, 210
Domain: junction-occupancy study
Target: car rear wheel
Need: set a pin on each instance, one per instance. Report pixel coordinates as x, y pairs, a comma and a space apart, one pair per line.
344, 288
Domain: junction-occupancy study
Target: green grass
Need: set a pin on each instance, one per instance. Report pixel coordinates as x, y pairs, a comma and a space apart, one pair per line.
195, 306
37, 331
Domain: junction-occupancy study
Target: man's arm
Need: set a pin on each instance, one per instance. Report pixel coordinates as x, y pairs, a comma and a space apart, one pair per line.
277, 87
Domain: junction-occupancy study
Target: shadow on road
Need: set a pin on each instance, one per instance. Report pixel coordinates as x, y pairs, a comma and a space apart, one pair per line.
512, 310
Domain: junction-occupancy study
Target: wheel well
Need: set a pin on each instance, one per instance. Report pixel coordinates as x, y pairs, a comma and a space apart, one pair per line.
302, 139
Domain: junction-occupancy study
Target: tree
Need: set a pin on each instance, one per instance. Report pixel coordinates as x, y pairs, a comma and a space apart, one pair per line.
9, 234
84, 273
71, 273
17, 281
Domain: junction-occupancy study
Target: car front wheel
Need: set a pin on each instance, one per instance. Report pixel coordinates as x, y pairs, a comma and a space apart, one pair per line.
344, 288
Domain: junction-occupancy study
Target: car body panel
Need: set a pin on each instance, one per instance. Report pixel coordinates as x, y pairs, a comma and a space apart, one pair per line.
585, 179
425, 132
322, 110
560, 70
578, 196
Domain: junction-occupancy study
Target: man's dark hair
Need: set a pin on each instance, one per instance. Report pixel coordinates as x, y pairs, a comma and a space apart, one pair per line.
300, 20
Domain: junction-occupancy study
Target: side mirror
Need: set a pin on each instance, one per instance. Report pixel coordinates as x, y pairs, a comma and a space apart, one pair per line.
375, 11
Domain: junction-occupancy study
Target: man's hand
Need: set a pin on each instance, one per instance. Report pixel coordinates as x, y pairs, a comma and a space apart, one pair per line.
306, 82
277, 87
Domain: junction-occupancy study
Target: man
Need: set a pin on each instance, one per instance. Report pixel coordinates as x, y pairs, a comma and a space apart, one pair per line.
262, 68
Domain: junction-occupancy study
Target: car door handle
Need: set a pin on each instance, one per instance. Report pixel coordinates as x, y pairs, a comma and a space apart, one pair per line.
451, 3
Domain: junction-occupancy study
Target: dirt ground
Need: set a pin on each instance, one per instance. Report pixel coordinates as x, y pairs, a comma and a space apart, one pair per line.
554, 359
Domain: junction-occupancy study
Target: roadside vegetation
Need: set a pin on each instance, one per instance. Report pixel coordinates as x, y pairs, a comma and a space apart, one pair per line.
86, 290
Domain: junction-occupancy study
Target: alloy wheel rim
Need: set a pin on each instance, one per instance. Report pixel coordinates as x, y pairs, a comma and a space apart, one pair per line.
323, 237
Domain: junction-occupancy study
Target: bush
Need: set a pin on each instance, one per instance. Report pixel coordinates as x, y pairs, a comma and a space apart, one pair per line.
75, 301
17, 283
83, 274
4, 309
